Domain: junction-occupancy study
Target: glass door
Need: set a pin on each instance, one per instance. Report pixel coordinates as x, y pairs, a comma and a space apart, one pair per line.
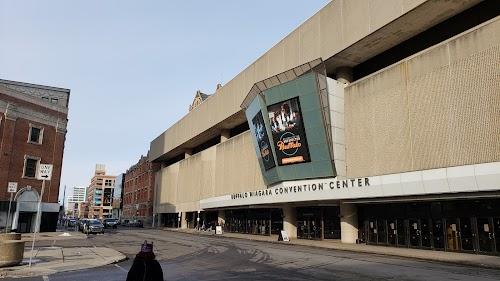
438, 234
496, 227
401, 230
485, 235
382, 231
392, 232
466, 234
452, 235
425, 227
372, 231
414, 230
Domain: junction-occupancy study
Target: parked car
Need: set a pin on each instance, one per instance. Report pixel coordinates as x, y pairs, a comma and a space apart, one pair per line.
135, 223
110, 222
81, 224
71, 222
93, 226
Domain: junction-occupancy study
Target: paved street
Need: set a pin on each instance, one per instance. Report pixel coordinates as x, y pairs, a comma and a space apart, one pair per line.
193, 257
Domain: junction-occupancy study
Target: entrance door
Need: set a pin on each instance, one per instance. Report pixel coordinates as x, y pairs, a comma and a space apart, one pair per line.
452, 235
372, 231
401, 229
426, 233
414, 230
309, 223
496, 227
26, 219
438, 234
485, 235
466, 234
382, 231
392, 232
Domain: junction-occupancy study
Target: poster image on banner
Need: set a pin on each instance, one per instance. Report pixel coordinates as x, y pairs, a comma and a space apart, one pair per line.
263, 141
287, 128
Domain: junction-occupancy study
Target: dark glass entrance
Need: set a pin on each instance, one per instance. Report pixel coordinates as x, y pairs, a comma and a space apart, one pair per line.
250, 221
331, 218
309, 222
437, 234
466, 234
486, 235
26, 222
457, 225
452, 239
415, 236
426, 233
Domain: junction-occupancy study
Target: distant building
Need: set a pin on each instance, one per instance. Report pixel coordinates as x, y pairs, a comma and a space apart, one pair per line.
118, 196
199, 98
100, 194
33, 120
138, 191
77, 196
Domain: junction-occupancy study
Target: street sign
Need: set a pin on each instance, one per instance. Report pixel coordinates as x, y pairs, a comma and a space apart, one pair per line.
12, 187
45, 172
218, 230
283, 236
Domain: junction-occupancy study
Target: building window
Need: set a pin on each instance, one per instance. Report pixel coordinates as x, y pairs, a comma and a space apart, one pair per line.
35, 135
108, 183
30, 166
45, 99
54, 100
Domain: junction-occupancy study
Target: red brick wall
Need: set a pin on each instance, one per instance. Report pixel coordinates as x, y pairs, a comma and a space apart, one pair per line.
14, 146
139, 189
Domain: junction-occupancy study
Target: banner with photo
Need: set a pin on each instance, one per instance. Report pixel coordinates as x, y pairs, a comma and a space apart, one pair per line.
288, 133
263, 141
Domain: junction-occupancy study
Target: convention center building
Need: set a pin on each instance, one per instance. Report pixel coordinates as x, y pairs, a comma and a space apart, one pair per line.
373, 122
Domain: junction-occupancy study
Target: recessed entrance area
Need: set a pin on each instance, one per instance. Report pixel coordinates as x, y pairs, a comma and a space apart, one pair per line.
456, 225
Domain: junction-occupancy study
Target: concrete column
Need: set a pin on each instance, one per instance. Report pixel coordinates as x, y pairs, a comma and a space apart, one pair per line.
344, 75
188, 153
290, 221
225, 135
183, 220
348, 223
221, 217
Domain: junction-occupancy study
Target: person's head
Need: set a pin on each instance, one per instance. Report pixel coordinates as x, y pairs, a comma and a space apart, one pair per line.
146, 251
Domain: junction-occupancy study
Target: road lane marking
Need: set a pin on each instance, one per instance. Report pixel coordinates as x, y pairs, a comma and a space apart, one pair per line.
45, 278
121, 268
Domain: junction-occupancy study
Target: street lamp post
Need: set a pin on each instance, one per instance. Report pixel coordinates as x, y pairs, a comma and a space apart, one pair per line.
44, 174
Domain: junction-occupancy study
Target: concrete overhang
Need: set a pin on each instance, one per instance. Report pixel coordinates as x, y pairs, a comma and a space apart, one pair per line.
411, 22
425, 16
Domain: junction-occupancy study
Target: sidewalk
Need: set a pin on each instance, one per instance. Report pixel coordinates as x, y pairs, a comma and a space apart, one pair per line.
50, 260
428, 255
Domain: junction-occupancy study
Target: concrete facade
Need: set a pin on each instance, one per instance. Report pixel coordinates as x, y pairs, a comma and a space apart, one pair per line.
422, 131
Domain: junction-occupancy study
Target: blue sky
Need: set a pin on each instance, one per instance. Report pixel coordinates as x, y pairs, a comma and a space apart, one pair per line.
133, 67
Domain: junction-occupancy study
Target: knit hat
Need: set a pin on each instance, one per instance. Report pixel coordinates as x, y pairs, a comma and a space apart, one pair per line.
146, 248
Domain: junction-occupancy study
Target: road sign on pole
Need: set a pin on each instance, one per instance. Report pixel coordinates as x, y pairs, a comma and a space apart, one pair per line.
45, 172
12, 187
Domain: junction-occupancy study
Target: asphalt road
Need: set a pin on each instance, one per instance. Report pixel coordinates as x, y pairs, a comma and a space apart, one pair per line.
193, 257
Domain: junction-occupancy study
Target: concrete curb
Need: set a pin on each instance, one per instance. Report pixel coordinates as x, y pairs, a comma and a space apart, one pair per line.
494, 264
65, 265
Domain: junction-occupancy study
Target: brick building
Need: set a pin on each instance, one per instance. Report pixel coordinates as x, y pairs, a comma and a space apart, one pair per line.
100, 194
33, 120
138, 191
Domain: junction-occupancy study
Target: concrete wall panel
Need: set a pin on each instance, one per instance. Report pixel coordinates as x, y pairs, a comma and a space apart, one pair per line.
439, 108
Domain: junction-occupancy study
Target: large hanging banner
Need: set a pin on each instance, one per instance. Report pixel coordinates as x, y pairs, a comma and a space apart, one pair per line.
263, 141
288, 133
